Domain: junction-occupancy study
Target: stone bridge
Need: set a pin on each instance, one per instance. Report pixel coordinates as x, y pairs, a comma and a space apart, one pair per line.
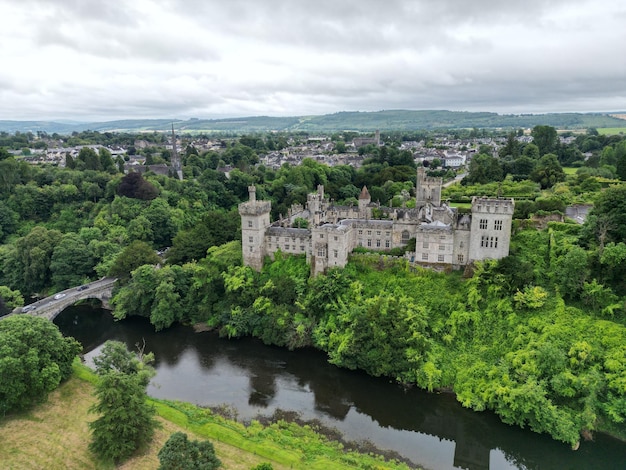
51, 306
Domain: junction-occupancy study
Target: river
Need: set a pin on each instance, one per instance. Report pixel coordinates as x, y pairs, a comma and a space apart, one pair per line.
431, 430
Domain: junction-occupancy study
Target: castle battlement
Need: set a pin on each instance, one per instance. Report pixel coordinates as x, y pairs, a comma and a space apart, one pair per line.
492, 205
255, 208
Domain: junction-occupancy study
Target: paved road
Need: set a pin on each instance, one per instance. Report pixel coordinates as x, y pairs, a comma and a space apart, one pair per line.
457, 179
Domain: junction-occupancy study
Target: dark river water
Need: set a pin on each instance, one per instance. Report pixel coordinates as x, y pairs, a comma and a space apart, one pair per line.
432, 430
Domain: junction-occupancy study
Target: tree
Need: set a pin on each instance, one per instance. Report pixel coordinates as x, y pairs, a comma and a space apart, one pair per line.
134, 185
8, 221
545, 138
608, 217
90, 159
126, 420
548, 171
214, 229
134, 255
71, 261
34, 359
484, 169
34, 255
179, 453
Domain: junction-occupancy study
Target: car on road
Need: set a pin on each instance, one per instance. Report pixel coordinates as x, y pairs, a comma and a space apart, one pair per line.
83, 287
28, 308
59, 296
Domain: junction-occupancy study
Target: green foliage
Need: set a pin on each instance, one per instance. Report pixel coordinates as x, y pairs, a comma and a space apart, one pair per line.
34, 359
126, 421
134, 255
134, 185
179, 453
484, 169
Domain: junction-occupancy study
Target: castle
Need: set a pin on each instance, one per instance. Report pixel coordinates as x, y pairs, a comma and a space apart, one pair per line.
443, 235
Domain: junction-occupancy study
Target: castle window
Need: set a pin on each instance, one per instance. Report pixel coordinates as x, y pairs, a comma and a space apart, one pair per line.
440, 258
360, 232
369, 232
286, 239
378, 232
251, 239
491, 243
442, 247
483, 224
301, 247
335, 238
442, 237
460, 258
424, 256
387, 234
461, 245
249, 224
378, 243
425, 245
483, 241
335, 253
405, 236
495, 243
286, 247
369, 242
321, 235
293, 247
251, 249
497, 225
321, 252
387, 244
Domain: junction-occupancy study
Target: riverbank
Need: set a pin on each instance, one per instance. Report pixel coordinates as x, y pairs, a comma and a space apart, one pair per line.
55, 435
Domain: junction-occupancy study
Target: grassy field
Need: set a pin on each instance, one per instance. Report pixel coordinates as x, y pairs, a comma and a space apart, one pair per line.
568, 170
55, 435
611, 130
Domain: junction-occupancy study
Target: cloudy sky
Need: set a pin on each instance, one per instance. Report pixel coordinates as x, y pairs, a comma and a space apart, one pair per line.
122, 59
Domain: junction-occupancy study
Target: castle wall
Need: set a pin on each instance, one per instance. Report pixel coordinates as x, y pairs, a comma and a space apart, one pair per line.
294, 241
434, 245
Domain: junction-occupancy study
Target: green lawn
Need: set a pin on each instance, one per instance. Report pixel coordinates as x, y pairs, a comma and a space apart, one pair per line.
611, 130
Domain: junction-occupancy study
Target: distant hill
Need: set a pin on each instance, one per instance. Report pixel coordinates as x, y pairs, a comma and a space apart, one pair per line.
400, 120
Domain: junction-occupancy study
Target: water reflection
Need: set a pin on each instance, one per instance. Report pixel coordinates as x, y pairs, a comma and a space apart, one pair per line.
431, 429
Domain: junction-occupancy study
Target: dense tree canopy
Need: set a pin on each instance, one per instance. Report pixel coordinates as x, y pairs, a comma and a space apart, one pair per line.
34, 359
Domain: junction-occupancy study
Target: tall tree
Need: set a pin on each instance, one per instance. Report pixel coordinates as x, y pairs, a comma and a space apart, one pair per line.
545, 137
126, 420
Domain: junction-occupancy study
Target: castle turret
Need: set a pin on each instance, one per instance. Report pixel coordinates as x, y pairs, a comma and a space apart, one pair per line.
490, 230
255, 220
427, 189
364, 201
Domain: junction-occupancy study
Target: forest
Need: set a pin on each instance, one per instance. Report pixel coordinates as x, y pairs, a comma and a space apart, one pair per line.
538, 337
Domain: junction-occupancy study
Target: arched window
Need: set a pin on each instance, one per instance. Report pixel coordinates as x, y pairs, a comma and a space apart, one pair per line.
405, 236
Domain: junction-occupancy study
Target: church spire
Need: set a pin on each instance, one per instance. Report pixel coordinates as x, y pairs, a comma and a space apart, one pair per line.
175, 158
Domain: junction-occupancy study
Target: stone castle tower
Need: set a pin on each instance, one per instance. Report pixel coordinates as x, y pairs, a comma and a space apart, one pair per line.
490, 232
255, 220
427, 189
